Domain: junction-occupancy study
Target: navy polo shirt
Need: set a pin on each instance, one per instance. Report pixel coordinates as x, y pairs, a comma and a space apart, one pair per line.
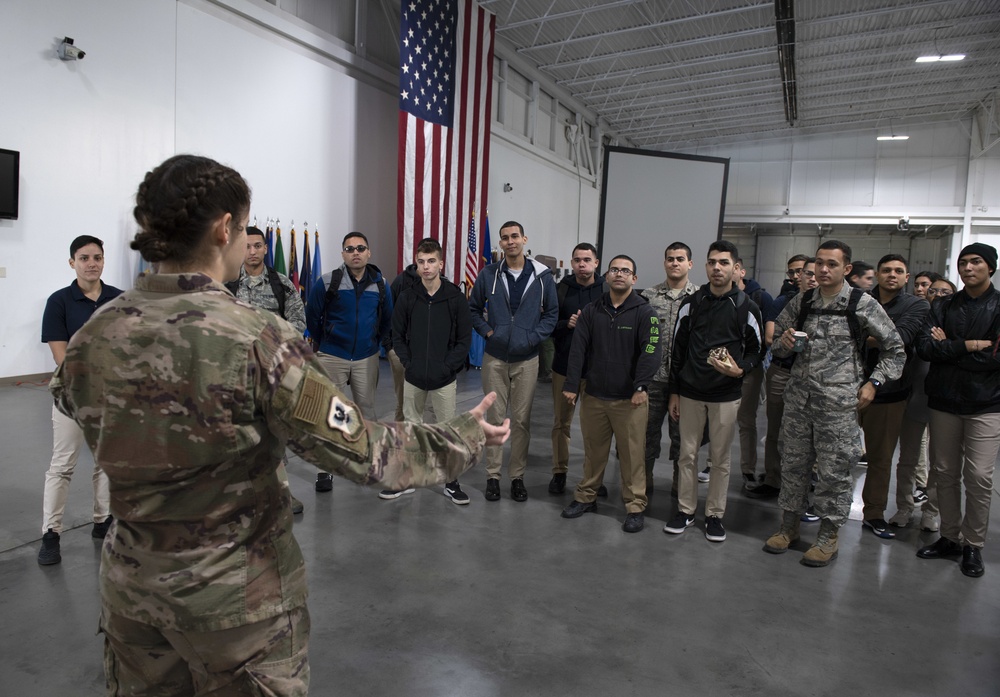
69, 309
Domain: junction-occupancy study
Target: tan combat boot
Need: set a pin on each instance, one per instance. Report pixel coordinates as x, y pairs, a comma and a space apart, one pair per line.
779, 542
825, 549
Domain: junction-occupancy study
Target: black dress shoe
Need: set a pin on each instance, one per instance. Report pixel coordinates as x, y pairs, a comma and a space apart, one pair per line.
941, 549
578, 508
633, 522
517, 490
558, 483
972, 561
492, 490
324, 482
764, 491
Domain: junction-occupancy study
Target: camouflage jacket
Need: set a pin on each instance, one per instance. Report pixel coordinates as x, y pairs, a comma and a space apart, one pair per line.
187, 398
665, 303
257, 291
830, 370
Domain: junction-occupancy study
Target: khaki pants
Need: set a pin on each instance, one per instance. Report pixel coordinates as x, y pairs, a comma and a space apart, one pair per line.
514, 384
721, 418
746, 418
442, 402
268, 658
562, 422
398, 378
881, 424
67, 440
964, 451
361, 375
912, 456
601, 419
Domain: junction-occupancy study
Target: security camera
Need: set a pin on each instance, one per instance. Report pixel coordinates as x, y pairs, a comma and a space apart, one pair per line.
904, 224
68, 52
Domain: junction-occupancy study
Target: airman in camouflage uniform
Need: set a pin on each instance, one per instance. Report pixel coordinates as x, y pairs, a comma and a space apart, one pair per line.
827, 386
187, 398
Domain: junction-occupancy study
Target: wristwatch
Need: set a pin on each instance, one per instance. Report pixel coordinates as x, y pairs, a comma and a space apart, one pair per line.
640, 388
877, 383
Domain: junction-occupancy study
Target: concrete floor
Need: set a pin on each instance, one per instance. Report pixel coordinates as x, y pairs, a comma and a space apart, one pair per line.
421, 597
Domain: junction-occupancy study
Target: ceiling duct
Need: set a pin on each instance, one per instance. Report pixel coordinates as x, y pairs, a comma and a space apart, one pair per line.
784, 16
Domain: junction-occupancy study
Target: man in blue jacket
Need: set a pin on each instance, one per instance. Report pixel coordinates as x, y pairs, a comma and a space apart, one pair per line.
522, 311
618, 336
960, 341
349, 316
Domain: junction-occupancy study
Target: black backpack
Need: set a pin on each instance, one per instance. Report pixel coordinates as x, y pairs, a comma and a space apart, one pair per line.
742, 307
280, 293
851, 313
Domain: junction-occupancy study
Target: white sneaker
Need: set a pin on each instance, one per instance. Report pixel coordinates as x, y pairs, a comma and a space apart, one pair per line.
900, 519
929, 523
704, 475
390, 494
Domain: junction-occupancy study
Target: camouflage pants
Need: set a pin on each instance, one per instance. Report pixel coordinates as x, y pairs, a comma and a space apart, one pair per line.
263, 659
658, 402
832, 440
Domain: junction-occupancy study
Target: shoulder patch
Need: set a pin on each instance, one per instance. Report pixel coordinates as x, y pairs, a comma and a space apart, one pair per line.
342, 417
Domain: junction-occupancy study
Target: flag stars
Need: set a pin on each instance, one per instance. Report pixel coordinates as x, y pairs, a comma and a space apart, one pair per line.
405, 95
418, 49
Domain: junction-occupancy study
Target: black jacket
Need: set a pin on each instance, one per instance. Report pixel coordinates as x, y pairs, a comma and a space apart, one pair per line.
572, 298
432, 334
706, 321
960, 382
908, 313
622, 348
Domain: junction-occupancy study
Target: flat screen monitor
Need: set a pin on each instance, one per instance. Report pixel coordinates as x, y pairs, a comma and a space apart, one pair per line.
10, 164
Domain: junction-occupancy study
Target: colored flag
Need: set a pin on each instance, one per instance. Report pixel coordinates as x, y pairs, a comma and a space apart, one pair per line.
486, 252
293, 261
306, 275
317, 269
445, 102
269, 242
279, 252
471, 257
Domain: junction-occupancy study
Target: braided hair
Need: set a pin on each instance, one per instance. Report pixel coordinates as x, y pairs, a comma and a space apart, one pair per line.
179, 200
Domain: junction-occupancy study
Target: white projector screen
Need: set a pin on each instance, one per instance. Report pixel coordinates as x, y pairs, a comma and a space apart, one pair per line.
651, 199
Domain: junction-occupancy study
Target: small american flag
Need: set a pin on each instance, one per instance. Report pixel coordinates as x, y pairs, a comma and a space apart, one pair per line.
471, 258
445, 108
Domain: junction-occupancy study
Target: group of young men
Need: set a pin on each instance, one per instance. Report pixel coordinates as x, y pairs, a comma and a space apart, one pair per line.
843, 362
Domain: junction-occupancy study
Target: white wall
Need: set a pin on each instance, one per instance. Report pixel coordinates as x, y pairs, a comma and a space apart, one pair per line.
161, 77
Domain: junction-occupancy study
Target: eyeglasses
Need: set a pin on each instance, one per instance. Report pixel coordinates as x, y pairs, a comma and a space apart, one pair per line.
808, 274
792, 273
356, 248
940, 291
615, 271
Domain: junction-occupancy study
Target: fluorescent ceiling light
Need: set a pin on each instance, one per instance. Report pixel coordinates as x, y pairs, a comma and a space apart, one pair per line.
934, 59
892, 138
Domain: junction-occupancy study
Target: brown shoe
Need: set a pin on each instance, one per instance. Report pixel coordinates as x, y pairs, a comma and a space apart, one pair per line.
779, 542
825, 549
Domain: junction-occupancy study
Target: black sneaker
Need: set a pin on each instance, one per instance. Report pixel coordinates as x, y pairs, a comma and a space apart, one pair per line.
879, 527
714, 532
920, 496
49, 553
633, 522
101, 529
297, 506
390, 494
517, 490
809, 516
453, 491
764, 491
679, 523
492, 490
602, 491
557, 484
324, 482
578, 508
749, 482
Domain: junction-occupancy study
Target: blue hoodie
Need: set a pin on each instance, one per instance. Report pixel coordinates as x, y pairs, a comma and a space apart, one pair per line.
354, 325
515, 337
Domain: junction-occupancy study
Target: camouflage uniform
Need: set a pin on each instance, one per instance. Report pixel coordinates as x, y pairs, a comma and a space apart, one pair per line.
187, 398
257, 291
665, 303
820, 422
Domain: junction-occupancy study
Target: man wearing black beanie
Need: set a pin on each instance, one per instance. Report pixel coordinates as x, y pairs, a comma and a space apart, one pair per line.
960, 340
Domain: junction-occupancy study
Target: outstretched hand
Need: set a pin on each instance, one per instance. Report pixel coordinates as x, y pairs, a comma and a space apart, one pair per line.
495, 435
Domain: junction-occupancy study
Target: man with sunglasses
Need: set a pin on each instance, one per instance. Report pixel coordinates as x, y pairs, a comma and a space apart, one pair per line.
617, 337
349, 315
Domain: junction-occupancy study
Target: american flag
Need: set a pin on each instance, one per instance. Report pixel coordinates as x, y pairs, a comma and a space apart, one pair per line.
471, 258
445, 102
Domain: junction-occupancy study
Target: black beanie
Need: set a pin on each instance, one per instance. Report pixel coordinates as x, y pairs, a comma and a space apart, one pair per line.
988, 253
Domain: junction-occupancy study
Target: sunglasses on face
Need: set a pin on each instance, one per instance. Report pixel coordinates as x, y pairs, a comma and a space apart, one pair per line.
356, 248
